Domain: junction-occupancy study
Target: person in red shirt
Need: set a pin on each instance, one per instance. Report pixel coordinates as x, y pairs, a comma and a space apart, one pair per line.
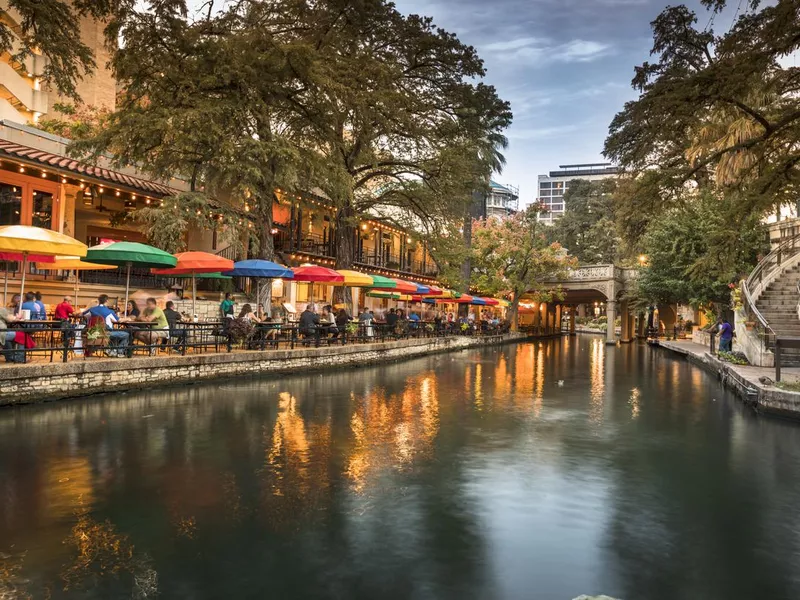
64, 310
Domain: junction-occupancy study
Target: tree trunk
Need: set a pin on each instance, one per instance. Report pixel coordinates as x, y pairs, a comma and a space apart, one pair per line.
266, 249
513, 313
466, 268
345, 238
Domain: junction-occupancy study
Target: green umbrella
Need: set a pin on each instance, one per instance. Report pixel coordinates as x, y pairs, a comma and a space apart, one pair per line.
382, 283
129, 254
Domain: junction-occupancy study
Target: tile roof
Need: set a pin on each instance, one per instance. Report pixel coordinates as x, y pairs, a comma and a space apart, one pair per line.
64, 163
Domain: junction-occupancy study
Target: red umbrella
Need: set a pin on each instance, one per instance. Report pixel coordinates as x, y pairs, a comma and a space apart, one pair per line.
405, 287
192, 263
316, 274
491, 301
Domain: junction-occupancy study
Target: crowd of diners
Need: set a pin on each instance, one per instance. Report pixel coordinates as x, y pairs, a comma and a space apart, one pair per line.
161, 328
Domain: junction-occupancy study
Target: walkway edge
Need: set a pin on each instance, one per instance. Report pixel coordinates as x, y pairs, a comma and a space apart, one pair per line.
35, 382
762, 398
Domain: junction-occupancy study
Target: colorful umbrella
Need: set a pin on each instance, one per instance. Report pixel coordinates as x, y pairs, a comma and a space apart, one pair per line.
71, 263
315, 274
194, 263
383, 283
491, 301
464, 299
405, 287
8, 257
476, 301
260, 269
356, 279
26, 240
129, 254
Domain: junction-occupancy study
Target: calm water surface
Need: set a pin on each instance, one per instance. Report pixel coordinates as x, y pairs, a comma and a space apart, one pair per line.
469, 475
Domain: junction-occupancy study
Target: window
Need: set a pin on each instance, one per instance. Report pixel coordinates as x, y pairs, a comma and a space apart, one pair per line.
42, 215
545, 185
10, 204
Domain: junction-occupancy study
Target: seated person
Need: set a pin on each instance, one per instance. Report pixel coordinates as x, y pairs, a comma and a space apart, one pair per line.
391, 319
64, 309
7, 338
248, 315
414, 319
309, 320
31, 305
131, 310
329, 321
173, 319
159, 331
116, 337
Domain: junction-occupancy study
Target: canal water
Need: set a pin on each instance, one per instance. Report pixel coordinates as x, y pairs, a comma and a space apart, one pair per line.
537, 471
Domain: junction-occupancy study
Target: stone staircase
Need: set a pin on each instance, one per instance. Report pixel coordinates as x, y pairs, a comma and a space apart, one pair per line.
778, 305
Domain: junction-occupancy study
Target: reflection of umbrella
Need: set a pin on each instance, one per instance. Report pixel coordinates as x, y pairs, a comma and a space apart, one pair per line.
71, 263
314, 274
129, 254
194, 263
8, 257
25, 240
260, 269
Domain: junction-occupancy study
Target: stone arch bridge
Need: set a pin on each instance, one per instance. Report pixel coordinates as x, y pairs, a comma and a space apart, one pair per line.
601, 283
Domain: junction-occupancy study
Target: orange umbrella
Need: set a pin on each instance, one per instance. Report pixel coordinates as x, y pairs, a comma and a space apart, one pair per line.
194, 263
464, 299
491, 301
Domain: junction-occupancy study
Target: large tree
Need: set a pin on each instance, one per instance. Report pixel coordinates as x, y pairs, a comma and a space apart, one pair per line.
391, 101
513, 257
715, 110
52, 28
684, 264
587, 229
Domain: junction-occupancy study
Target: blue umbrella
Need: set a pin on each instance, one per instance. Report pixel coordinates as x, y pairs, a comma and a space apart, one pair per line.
260, 269
478, 301
422, 289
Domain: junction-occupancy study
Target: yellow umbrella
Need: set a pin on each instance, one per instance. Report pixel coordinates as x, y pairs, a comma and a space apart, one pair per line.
354, 279
25, 240
503, 302
72, 263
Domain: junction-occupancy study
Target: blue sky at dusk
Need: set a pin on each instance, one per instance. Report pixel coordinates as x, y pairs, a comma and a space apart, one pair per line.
565, 66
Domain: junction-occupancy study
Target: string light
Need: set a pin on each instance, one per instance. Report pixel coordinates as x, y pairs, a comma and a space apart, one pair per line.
22, 169
44, 174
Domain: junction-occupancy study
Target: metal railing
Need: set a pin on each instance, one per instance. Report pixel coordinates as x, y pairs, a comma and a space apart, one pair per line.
63, 341
765, 272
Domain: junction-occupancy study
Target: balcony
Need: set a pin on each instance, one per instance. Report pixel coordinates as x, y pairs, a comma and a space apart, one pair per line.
316, 245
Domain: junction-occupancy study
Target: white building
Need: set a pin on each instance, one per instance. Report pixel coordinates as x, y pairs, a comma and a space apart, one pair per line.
552, 187
502, 200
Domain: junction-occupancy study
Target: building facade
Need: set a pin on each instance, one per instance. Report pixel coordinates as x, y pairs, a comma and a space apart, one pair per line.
502, 200
25, 98
553, 186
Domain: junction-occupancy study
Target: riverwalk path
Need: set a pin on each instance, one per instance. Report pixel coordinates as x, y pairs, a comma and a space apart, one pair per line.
754, 385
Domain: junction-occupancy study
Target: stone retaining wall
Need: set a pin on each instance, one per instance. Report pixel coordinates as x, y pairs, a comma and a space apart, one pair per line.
24, 384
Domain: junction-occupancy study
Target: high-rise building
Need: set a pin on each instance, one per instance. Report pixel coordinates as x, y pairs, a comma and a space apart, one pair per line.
553, 186
502, 200
25, 98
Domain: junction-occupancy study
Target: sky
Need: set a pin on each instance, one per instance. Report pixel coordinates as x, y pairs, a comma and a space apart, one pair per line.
565, 66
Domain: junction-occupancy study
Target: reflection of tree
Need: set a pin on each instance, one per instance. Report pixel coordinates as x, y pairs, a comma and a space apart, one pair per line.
105, 562
12, 583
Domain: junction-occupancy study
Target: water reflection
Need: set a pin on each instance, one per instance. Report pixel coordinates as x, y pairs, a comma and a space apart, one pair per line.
469, 475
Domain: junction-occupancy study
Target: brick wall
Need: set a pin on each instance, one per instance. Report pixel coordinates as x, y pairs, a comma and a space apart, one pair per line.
25, 384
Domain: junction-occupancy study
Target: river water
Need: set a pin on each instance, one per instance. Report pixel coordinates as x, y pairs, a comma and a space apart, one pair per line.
466, 475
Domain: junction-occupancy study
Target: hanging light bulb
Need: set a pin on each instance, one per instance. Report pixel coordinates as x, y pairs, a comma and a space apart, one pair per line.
117, 194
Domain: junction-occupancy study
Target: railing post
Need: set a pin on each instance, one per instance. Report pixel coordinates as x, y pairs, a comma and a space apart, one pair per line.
777, 359
713, 346
65, 331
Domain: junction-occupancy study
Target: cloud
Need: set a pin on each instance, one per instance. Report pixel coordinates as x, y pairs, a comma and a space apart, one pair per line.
540, 51
539, 133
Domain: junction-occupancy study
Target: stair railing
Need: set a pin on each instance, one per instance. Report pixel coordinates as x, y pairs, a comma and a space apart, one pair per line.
769, 268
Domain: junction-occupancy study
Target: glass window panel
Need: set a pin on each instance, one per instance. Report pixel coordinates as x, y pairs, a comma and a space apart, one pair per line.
42, 209
10, 204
